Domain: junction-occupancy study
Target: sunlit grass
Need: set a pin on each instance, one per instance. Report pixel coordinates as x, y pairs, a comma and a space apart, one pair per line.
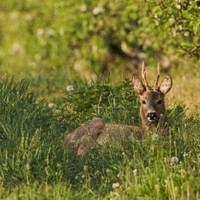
35, 165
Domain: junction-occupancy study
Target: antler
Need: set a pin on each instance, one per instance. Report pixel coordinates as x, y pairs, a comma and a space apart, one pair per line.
157, 78
144, 77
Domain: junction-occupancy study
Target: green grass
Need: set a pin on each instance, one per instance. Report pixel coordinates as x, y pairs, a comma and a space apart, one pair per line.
52, 44
34, 164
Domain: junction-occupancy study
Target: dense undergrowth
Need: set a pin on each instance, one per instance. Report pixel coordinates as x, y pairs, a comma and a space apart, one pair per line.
34, 164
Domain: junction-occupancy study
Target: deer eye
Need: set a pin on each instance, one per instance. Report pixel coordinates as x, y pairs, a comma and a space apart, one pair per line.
159, 101
143, 102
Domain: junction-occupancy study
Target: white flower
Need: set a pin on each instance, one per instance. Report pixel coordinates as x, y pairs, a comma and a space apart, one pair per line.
178, 6
174, 160
186, 34
58, 111
52, 105
69, 88
115, 186
83, 176
135, 172
180, 28
16, 48
40, 32
174, 32
142, 55
171, 21
98, 10
83, 8
166, 181
185, 154
155, 137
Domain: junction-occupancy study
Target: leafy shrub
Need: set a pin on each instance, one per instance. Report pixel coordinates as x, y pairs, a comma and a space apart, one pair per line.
80, 37
180, 19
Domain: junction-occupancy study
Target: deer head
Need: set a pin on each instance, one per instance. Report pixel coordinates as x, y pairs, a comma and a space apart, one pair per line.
152, 107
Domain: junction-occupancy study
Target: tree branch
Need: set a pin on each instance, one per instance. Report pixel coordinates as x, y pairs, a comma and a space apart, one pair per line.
194, 49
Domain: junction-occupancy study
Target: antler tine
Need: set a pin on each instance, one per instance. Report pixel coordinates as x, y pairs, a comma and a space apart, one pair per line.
157, 78
144, 77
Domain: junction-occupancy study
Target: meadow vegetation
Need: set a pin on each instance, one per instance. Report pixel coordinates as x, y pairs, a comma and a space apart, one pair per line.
34, 163
72, 61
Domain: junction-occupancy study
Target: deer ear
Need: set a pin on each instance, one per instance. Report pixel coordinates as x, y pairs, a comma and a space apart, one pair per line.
137, 85
166, 85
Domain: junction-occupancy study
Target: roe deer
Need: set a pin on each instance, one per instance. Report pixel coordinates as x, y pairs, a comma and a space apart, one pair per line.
152, 112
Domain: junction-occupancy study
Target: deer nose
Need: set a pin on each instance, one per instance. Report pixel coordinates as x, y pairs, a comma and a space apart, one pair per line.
152, 116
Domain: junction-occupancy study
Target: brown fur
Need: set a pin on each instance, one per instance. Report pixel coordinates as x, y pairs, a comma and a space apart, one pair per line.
96, 132
151, 98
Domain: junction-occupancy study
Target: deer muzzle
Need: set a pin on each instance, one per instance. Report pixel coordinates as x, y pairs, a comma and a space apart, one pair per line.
152, 117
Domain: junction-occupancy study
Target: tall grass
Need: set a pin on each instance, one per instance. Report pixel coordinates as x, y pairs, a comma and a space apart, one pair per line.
35, 165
